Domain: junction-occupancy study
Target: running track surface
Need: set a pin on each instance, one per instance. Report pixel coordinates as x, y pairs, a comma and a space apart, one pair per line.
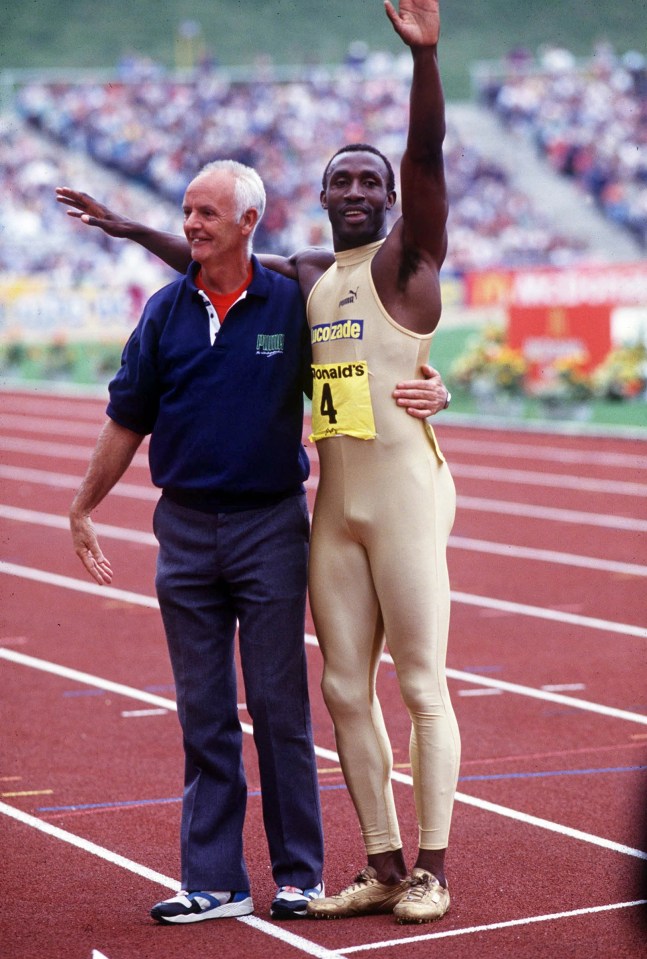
547, 668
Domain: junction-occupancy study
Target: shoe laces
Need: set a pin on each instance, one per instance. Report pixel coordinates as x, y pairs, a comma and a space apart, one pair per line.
420, 886
364, 878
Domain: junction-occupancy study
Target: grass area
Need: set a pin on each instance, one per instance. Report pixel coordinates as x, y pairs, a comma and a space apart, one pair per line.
93, 365
624, 414
87, 34
80, 364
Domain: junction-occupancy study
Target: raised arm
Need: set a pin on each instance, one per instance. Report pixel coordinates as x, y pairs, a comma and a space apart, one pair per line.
422, 177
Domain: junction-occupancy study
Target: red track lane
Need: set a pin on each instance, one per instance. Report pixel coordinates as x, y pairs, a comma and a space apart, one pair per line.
550, 812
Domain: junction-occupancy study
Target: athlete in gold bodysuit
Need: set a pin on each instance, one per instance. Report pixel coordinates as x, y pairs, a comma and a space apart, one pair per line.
384, 510
386, 500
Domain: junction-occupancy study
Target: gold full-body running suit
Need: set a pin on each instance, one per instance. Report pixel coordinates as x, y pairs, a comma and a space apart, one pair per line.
384, 510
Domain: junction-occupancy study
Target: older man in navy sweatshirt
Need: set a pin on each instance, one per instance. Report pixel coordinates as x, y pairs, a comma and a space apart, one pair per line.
215, 372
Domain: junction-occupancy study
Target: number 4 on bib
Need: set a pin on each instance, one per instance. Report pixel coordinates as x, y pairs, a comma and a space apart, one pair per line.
341, 401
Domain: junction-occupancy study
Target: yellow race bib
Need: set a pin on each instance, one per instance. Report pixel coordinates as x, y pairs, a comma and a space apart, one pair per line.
341, 401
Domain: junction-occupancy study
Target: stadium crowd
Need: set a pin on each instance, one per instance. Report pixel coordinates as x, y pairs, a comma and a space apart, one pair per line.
36, 239
156, 131
588, 119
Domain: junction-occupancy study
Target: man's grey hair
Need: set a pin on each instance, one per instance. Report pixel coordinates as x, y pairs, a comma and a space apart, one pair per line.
249, 192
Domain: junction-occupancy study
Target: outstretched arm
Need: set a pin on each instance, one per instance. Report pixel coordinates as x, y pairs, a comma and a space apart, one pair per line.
170, 248
422, 177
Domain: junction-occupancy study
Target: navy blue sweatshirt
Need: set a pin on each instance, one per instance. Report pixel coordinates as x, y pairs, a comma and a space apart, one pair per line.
226, 420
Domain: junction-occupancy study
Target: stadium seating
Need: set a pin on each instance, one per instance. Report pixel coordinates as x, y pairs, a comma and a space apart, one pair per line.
151, 130
588, 119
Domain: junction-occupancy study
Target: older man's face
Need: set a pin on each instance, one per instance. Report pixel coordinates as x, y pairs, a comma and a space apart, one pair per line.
210, 222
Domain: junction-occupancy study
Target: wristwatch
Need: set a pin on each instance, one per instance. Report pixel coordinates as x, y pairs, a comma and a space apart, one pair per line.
448, 399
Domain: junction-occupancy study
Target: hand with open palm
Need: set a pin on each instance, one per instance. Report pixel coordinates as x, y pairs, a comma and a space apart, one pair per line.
417, 22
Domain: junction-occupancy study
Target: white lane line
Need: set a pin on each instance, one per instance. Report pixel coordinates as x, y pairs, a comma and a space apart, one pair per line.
23, 474
291, 939
298, 942
469, 599
510, 923
150, 602
87, 679
556, 454
34, 424
526, 452
90, 405
51, 425
328, 754
79, 585
552, 514
554, 615
609, 712
479, 692
547, 556
53, 521
64, 836
547, 824
561, 481
492, 473
480, 504
64, 451
137, 713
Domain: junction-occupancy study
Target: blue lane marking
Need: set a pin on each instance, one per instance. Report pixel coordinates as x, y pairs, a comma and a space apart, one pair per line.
256, 792
109, 805
163, 688
86, 692
557, 772
145, 802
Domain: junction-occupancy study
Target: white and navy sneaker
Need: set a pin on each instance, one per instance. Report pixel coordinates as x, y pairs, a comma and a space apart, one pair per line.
196, 906
290, 902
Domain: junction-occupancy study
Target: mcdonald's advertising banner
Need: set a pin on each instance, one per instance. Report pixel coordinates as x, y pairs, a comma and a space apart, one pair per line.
554, 313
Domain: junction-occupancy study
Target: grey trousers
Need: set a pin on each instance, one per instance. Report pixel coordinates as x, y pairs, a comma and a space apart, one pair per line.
214, 571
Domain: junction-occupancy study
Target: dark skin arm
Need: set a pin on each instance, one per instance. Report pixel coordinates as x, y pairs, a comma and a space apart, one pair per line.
421, 398
170, 248
406, 269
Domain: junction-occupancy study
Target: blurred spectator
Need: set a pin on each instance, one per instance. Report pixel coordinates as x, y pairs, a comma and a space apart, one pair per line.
157, 131
590, 122
36, 238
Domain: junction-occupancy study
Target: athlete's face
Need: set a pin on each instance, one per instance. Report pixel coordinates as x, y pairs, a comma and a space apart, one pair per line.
211, 224
356, 198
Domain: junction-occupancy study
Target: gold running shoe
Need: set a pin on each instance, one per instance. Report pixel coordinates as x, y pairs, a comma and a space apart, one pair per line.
363, 897
425, 901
